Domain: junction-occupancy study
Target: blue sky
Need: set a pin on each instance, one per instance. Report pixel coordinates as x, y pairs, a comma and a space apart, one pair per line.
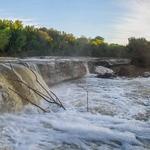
115, 20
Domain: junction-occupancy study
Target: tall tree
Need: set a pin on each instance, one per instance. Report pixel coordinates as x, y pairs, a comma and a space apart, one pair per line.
4, 38
140, 51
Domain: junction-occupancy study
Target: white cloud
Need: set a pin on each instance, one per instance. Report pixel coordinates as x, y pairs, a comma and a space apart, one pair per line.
134, 23
10, 16
25, 21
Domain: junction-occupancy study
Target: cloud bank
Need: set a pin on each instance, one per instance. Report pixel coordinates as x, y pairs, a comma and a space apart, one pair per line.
134, 23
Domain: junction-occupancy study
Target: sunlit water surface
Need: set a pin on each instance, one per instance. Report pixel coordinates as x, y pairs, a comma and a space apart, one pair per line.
118, 117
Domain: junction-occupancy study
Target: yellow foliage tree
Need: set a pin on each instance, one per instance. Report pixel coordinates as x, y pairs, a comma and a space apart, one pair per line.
70, 38
97, 41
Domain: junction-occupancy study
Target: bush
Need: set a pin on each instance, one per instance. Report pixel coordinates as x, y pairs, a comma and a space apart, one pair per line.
139, 50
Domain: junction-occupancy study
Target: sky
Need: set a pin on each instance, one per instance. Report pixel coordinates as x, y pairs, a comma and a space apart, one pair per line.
115, 20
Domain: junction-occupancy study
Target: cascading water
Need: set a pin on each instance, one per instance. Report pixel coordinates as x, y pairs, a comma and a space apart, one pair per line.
87, 68
13, 92
117, 118
17, 76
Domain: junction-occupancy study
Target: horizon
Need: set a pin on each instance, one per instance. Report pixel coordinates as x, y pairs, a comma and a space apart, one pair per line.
115, 21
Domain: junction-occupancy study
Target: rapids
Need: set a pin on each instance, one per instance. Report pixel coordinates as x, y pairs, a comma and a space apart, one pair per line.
118, 118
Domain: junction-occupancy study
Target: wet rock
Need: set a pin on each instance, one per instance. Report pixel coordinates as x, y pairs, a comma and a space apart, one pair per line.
109, 62
146, 74
14, 94
61, 70
132, 71
103, 72
48, 72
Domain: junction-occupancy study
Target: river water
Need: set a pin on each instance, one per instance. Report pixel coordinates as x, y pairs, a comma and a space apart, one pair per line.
118, 118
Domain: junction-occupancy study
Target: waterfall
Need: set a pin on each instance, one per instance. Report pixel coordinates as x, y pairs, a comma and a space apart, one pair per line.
17, 76
13, 93
87, 68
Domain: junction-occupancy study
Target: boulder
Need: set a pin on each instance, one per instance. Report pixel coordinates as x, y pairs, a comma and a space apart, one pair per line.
103, 72
146, 74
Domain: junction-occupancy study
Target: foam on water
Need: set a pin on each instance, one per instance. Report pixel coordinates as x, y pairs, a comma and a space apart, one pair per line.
118, 118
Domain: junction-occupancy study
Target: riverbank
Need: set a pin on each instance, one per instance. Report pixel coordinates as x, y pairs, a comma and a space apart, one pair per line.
131, 71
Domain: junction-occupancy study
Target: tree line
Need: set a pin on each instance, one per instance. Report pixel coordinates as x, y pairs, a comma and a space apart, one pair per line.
17, 39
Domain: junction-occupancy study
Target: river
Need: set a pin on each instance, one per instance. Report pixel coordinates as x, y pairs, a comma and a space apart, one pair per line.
118, 118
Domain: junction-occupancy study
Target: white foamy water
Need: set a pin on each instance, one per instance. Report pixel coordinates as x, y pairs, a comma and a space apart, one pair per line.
118, 118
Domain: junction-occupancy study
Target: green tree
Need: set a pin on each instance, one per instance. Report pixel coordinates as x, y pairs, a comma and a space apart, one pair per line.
17, 39
4, 38
139, 50
116, 50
